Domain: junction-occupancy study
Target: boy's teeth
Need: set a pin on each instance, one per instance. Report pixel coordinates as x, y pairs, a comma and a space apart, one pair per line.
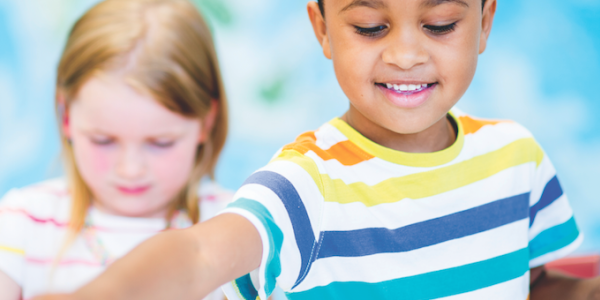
406, 87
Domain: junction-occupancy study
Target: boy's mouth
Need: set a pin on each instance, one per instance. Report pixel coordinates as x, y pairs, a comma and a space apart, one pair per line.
407, 95
406, 89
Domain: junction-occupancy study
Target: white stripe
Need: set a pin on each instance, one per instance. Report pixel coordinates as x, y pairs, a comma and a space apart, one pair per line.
516, 289
290, 256
552, 256
230, 292
388, 266
554, 214
328, 136
352, 216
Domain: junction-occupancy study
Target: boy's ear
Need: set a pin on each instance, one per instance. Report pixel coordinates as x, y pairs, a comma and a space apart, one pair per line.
487, 20
208, 123
318, 23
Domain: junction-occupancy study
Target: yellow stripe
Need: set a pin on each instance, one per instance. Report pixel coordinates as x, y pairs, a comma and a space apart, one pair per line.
438, 181
307, 163
12, 250
403, 158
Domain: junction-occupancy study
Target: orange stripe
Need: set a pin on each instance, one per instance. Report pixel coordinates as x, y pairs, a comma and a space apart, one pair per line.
471, 125
346, 152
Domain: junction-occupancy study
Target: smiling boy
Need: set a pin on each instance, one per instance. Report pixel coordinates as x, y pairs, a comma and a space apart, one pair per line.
403, 197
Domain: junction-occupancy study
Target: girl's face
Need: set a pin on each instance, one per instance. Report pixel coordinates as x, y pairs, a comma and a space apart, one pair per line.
133, 153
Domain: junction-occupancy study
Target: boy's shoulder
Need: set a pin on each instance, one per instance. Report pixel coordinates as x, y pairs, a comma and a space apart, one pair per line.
42, 200
482, 127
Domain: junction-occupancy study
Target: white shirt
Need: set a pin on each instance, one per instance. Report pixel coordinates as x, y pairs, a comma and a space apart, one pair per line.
33, 224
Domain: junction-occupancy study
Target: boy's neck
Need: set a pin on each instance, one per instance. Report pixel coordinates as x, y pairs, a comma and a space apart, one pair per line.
437, 137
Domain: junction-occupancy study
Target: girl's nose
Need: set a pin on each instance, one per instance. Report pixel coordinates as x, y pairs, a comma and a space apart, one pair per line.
405, 50
131, 163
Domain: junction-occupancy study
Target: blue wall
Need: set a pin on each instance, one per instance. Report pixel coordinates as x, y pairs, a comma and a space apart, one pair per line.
540, 69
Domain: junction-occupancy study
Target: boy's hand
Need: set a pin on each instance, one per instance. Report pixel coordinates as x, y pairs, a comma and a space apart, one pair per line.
549, 285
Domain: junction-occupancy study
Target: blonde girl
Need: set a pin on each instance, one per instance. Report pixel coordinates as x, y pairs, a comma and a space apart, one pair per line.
143, 119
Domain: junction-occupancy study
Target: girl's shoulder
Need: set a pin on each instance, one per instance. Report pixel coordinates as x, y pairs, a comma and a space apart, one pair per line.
40, 201
213, 198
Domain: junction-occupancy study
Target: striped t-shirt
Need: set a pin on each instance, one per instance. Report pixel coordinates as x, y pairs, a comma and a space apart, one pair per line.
342, 217
33, 224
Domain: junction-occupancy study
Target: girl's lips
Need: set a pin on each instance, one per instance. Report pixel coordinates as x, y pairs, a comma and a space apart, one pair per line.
133, 190
408, 99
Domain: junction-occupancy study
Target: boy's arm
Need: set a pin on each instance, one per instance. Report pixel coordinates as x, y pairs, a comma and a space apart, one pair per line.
549, 285
10, 289
180, 264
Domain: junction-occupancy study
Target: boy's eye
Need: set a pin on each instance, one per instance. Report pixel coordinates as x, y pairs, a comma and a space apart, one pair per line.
440, 30
371, 31
102, 141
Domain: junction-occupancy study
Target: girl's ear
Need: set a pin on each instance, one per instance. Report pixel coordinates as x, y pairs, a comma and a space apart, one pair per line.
63, 114
208, 123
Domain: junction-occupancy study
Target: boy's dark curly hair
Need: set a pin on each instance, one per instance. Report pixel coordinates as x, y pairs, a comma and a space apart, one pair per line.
323, 11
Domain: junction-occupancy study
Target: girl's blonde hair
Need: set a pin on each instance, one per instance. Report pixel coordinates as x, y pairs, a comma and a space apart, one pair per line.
164, 48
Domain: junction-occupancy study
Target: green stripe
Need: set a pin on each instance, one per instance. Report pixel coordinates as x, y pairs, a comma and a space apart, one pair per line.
273, 269
432, 285
554, 238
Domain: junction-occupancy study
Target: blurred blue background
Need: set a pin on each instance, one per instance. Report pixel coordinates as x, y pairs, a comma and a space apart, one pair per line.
541, 69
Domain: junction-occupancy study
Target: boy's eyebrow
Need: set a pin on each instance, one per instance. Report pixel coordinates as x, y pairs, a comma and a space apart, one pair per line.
367, 3
432, 3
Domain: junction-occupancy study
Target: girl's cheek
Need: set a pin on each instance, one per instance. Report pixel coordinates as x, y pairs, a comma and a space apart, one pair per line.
95, 159
172, 167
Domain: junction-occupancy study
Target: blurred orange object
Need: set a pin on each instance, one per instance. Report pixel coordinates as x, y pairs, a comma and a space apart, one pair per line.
581, 267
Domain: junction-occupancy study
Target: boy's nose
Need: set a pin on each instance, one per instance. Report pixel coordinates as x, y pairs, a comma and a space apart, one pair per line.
131, 164
405, 51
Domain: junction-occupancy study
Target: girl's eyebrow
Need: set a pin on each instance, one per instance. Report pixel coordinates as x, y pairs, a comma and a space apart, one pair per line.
375, 4
432, 3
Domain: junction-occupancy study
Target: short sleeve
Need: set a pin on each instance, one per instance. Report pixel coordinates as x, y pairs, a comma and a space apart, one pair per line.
553, 232
283, 201
12, 237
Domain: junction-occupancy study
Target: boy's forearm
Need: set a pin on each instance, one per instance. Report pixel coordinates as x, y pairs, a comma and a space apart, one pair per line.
165, 267
552, 285
181, 264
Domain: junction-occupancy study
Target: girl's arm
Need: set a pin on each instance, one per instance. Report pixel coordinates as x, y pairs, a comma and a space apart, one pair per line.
180, 264
10, 289
548, 285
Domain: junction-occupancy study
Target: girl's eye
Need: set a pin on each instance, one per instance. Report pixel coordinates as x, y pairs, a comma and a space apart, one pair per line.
102, 141
371, 31
441, 30
162, 144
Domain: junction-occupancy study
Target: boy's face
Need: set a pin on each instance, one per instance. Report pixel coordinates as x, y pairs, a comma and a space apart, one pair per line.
403, 63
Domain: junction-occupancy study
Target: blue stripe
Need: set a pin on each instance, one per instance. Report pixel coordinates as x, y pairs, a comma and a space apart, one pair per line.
382, 240
303, 231
246, 288
433, 285
554, 238
273, 269
551, 193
